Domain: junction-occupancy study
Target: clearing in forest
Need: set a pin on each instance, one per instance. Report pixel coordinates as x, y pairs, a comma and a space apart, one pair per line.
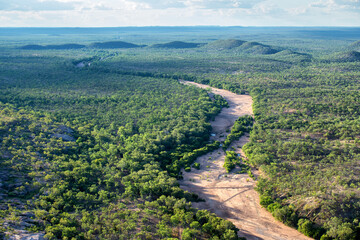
230, 195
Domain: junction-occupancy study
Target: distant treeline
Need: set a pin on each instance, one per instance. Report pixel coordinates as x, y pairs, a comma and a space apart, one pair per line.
233, 45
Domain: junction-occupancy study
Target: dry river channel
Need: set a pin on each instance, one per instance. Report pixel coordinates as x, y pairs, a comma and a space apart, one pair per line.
230, 195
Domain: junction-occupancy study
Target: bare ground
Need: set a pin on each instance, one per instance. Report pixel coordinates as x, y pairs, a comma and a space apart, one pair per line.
230, 195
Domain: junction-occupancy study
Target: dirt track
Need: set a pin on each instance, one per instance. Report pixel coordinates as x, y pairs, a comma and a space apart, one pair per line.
232, 196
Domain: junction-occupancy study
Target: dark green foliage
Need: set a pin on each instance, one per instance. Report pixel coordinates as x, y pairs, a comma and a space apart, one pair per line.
256, 48
33, 47
114, 45
215, 226
305, 138
84, 151
286, 215
306, 227
265, 200
351, 56
338, 229
189, 157
239, 46
224, 44
53, 47
355, 46
128, 115
196, 166
291, 56
231, 160
240, 127
176, 45
220, 101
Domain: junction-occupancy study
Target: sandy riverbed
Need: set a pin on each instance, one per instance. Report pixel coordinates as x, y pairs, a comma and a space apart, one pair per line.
232, 196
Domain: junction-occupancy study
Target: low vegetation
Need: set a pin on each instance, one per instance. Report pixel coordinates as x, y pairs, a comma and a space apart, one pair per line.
226, 44
95, 151
176, 44
231, 160
52, 47
241, 126
94, 158
350, 56
114, 45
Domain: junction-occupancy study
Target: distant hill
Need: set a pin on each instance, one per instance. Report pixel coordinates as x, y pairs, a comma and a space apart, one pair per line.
291, 56
112, 44
50, 47
65, 46
240, 46
355, 46
33, 47
224, 44
176, 44
350, 56
115, 44
256, 48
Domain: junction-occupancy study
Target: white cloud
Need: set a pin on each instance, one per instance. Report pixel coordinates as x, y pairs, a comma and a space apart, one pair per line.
222, 4
297, 11
61, 5
36, 5
178, 12
265, 8
58, 5
336, 4
114, 5
351, 4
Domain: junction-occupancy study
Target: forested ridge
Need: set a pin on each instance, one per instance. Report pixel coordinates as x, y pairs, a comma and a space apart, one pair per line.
305, 142
94, 151
89, 154
306, 137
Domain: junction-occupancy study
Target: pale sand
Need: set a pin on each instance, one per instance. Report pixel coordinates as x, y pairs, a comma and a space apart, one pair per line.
229, 195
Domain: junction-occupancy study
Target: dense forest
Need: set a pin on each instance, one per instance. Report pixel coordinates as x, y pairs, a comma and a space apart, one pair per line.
87, 154
93, 136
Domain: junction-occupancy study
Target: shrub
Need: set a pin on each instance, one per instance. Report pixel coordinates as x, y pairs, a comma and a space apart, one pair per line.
306, 227
196, 166
285, 215
231, 160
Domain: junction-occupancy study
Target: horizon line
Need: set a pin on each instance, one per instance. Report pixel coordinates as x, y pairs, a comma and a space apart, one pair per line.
175, 26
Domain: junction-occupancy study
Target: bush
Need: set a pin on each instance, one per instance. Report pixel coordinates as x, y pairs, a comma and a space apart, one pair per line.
242, 125
230, 235
231, 160
195, 225
187, 234
340, 230
306, 227
285, 215
196, 166
273, 206
251, 174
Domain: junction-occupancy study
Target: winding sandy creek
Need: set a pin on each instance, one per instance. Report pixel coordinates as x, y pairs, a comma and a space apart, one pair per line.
232, 196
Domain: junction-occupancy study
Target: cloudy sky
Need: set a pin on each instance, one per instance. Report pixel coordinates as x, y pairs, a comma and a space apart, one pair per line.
112, 13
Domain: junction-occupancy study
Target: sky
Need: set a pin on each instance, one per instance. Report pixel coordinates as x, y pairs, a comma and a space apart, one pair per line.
117, 13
